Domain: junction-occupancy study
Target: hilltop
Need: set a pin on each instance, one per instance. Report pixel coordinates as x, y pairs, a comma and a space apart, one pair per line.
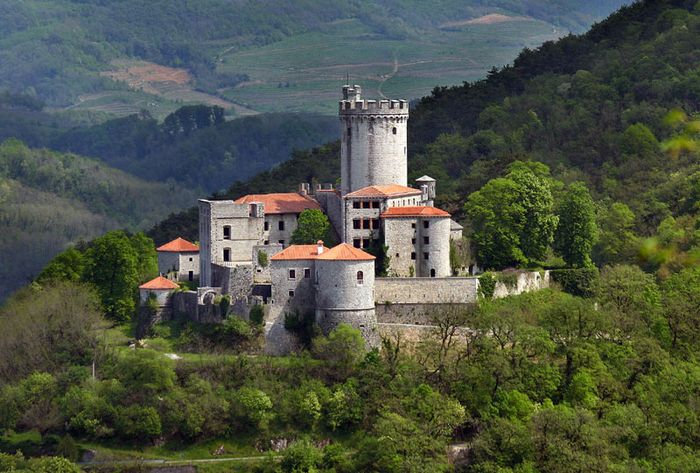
120, 57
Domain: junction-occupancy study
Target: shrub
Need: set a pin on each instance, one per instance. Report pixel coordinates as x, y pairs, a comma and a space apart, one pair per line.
262, 259
578, 282
257, 315
487, 284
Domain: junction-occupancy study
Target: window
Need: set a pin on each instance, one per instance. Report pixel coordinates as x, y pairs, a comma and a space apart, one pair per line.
426, 224
190, 259
307, 273
365, 223
355, 204
280, 225
375, 223
426, 240
375, 204
432, 273
413, 255
356, 224
365, 243
266, 242
227, 254
292, 274
281, 242
349, 130
426, 255
291, 293
366, 204
413, 241
356, 243
190, 276
413, 225
267, 225
227, 232
360, 277
393, 130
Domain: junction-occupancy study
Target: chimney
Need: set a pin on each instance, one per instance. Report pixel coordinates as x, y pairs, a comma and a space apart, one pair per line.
319, 247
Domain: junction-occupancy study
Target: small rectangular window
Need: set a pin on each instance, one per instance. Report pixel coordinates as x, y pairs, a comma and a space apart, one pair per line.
356, 224
365, 243
281, 242
190, 275
227, 232
365, 204
292, 274
426, 240
307, 273
267, 225
357, 243
356, 204
426, 255
426, 224
280, 225
375, 204
266, 242
227, 254
413, 225
413, 255
375, 224
413, 241
190, 259
291, 293
366, 224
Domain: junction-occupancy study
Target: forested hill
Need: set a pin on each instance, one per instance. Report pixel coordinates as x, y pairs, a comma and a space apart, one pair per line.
592, 107
49, 200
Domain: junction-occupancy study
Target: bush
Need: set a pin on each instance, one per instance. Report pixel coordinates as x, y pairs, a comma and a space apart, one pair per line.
262, 259
578, 282
67, 448
138, 422
257, 315
487, 284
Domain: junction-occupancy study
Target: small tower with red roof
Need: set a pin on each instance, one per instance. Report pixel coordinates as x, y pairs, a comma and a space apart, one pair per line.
178, 260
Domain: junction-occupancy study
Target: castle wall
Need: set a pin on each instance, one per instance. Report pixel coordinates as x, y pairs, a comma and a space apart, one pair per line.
178, 265
168, 262
425, 290
261, 273
330, 202
236, 282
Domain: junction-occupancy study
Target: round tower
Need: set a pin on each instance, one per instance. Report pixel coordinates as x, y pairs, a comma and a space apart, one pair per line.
345, 291
373, 141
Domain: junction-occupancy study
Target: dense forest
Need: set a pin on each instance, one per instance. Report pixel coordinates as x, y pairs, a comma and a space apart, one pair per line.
49, 200
594, 138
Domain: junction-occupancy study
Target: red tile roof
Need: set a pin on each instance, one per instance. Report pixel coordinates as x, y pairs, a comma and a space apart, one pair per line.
298, 252
159, 283
394, 212
345, 252
281, 203
391, 190
179, 245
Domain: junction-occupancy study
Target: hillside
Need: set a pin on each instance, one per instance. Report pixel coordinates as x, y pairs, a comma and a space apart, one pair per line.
592, 107
49, 200
121, 57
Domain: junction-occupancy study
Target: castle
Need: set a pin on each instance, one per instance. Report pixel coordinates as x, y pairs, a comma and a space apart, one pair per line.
245, 252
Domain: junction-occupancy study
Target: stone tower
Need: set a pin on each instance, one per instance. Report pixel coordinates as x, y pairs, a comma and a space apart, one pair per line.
373, 134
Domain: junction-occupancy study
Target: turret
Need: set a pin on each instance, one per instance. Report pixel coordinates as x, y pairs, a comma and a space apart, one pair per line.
373, 134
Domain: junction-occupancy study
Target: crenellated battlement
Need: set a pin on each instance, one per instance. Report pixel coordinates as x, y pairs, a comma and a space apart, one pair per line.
373, 107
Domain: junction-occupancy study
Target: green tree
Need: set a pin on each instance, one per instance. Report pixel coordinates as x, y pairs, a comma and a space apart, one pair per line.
312, 226
67, 266
681, 306
512, 217
342, 349
252, 407
577, 230
617, 243
112, 266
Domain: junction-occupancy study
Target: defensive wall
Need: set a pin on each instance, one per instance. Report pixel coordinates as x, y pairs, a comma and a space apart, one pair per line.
415, 301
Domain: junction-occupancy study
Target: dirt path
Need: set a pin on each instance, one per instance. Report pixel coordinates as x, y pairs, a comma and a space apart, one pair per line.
162, 462
389, 76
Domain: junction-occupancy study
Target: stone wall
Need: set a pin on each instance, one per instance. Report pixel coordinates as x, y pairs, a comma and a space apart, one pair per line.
261, 273
524, 282
274, 234
330, 202
425, 290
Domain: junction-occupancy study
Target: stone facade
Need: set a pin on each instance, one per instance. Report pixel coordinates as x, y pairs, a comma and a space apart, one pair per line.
418, 246
373, 141
278, 228
179, 266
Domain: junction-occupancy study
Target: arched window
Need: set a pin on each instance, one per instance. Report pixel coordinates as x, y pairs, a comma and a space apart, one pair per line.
432, 273
360, 277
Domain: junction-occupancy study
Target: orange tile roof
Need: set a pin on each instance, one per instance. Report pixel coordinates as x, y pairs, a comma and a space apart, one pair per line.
179, 245
391, 190
281, 203
345, 252
159, 283
298, 252
414, 212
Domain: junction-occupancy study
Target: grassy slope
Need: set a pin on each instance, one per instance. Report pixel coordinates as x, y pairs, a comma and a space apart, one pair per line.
58, 48
49, 200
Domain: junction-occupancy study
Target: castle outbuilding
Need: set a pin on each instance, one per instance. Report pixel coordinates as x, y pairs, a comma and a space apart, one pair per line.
179, 260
